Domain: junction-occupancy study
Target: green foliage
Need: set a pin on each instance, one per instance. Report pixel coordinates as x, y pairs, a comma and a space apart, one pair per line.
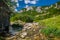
57, 33
51, 12
30, 16
50, 19
51, 30
10, 4
51, 22
52, 26
48, 30
24, 18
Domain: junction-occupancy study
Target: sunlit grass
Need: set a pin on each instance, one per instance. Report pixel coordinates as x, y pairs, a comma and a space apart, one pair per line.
51, 22
52, 26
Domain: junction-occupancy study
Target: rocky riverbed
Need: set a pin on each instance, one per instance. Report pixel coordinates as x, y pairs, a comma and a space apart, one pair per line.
30, 31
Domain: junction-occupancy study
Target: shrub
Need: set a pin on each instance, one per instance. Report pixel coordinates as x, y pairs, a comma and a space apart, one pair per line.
51, 30
26, 18
57, 33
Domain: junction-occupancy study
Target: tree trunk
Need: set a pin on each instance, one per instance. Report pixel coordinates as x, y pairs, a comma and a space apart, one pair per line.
4, 18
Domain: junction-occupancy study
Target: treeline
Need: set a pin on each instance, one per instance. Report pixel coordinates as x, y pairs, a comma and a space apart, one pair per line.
33, 15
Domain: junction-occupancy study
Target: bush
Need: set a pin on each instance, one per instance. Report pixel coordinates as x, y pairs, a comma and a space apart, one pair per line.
26, 18
57, 33
51, 30
14, 18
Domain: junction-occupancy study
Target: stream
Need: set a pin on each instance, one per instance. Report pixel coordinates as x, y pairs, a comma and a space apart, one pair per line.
13, 30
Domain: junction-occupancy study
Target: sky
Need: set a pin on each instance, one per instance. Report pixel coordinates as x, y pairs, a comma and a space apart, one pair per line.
26, 3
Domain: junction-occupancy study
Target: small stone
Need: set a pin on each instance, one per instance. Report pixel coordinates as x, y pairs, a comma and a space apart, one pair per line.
28, 27
23, 34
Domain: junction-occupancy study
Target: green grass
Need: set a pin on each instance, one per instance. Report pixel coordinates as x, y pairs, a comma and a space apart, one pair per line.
52, 26
51, 22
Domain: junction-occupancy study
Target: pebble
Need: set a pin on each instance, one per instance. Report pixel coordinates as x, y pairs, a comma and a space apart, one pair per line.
23, 34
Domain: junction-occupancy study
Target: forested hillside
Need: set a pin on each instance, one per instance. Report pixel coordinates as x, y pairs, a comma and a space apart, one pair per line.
35, 23
37, 13
46, 16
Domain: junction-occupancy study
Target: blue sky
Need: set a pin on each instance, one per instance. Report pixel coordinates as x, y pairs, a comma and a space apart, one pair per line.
26, 3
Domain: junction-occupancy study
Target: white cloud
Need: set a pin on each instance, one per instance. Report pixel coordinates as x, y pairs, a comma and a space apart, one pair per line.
17, 4
16, 10
33, 2
26, 6
27, 1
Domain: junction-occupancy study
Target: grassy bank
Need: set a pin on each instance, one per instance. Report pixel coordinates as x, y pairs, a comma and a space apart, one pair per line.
51, 22
52, 27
